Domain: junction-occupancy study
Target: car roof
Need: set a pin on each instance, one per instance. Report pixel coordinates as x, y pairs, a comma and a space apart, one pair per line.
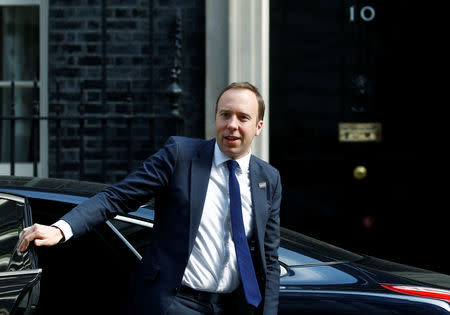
52, 185
63, 190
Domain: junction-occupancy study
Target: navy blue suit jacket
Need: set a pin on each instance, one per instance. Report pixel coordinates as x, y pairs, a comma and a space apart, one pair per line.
177, 176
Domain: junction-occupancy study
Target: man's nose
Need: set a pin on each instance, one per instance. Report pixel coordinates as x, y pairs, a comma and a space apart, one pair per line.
232, 122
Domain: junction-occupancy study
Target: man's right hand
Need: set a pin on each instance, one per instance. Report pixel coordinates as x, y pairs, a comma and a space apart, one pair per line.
42, 235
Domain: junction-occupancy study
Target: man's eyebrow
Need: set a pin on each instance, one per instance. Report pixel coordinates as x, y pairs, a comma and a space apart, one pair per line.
239, 113
245, 113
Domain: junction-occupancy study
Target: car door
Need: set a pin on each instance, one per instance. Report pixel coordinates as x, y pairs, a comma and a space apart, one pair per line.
19, 272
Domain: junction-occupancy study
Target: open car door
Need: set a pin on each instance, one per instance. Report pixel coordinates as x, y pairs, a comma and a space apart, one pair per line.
19, 272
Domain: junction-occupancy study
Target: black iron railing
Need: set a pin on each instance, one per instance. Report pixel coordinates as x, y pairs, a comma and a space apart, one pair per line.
173, 124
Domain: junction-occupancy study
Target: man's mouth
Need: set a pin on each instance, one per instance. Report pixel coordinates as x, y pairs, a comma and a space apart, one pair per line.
231, 138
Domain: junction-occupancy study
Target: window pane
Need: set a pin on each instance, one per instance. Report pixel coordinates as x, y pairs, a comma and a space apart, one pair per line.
11, 224
138, 236
19, 53
19, 31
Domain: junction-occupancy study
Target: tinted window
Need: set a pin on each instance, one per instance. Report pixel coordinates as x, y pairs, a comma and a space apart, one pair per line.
11, 224
138, 236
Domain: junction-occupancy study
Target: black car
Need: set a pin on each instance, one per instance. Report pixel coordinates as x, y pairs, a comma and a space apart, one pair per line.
93, 274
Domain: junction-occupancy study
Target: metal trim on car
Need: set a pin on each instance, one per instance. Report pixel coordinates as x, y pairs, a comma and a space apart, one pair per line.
134, 221
123, 239
4, 274
12, 197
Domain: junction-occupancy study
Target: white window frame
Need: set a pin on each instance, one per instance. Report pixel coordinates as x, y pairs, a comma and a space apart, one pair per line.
26, 169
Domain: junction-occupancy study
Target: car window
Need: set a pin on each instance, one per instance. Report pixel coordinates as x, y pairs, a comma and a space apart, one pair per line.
137, 227
11, 225
138, 236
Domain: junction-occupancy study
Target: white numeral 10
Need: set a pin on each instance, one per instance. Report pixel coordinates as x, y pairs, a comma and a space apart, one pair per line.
366, 13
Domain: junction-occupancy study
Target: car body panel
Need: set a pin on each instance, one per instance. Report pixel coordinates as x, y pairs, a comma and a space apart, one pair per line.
356, 302
317, 275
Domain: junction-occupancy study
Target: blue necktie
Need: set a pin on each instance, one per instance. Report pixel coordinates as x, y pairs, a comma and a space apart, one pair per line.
246, 270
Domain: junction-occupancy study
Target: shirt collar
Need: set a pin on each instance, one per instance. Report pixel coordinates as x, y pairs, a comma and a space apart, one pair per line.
220, 158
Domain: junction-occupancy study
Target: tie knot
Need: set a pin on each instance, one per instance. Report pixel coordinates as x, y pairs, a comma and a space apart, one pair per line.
232, 164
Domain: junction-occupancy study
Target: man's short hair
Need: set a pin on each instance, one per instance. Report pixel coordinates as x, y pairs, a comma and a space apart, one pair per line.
247, 86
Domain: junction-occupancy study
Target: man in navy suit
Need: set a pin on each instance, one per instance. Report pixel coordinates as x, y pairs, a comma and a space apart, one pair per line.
194, 264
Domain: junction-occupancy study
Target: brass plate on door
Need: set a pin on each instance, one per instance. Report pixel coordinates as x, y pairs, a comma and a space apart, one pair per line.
359, 132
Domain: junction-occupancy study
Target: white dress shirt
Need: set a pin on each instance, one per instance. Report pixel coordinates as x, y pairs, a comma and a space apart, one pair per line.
212, 265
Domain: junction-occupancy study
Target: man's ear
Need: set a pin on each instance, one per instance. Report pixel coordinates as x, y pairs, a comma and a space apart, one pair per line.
259, 128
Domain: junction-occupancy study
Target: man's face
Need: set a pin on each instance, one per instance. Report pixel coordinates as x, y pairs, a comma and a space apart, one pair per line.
237, 122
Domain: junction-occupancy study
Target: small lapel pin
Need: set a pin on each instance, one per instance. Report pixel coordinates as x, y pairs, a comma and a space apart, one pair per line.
262, 185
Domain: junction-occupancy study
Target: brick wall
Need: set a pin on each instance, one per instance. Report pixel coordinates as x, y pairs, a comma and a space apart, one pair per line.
120, 52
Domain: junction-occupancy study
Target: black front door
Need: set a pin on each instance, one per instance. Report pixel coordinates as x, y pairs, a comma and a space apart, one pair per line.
349, 102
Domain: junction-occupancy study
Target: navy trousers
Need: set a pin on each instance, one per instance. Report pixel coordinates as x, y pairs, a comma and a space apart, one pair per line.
192, 302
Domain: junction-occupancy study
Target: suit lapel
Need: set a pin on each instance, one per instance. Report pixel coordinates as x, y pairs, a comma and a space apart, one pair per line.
200, 171
258, 186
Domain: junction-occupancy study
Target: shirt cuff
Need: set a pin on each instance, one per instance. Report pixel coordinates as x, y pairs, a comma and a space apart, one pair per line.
65, 228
